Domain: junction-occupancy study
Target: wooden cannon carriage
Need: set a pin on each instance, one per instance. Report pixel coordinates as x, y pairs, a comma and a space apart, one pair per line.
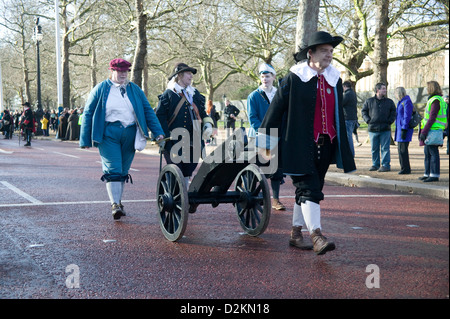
232, 163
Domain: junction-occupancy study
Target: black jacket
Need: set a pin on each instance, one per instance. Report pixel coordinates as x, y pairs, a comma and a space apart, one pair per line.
168, 102
296, 100
27, 122
229, 110
379, 114
349, 104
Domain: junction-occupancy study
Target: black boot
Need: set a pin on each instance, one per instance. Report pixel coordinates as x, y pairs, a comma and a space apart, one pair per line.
116, 211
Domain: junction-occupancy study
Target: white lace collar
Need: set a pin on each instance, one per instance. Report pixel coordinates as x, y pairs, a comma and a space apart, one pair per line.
175, 87
306, 73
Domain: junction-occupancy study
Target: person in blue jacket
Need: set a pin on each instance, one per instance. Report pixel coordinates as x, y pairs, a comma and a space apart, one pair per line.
257, 104
115, 109
403, 133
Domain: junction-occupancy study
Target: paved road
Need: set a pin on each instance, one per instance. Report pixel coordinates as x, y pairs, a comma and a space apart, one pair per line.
56, 228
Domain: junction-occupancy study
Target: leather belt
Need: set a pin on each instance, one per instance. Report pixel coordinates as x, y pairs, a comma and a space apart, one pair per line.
321, 140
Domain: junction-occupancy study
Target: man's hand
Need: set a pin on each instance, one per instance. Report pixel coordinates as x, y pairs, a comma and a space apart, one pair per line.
207, 131
265, 154
161, 141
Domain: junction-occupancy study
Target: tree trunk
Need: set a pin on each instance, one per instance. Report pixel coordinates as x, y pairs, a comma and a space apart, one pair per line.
26, 79
145, 80
380, 44
65, 62
93, 65
141, 45
308, 15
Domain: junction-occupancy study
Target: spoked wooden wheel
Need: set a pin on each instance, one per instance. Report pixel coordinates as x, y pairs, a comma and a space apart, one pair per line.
253, 208
173, 202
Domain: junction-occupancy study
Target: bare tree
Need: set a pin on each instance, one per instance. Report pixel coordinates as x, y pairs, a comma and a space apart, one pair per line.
75, 15
265, 29
18, 20
147, 19
369, 26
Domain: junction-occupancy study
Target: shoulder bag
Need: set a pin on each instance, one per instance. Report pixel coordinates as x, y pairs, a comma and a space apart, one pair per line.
435, 137
415, 119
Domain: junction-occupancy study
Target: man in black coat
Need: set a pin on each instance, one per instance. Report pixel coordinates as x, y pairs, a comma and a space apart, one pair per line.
315, 134
231, 112
27, 123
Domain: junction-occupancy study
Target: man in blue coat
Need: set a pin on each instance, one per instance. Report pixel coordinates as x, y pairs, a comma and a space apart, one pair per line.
115, 110
257, 104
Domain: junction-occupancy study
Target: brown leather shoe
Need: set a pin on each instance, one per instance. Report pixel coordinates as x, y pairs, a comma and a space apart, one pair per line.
277, 205
297, 239
321, 245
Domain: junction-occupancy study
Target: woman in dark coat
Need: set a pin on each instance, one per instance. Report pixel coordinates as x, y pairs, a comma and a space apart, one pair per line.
73, 129
8, 124
62, 126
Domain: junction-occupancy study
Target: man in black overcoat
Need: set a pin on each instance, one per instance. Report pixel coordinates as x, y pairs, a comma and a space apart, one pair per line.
311, 98
27, 123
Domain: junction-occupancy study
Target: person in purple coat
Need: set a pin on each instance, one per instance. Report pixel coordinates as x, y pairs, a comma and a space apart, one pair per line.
403, 133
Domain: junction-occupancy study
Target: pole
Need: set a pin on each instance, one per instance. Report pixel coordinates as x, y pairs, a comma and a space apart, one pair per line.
39, 113
58, 58
38, 62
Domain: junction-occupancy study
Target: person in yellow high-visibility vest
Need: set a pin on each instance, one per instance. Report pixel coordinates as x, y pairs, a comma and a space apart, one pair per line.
434, 122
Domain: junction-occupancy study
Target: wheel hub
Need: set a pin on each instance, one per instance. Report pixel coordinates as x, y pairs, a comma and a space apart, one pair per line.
166, 202
247, 200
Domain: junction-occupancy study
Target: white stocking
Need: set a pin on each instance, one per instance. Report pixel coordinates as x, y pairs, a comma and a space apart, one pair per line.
311, 214
114, 190
297, 216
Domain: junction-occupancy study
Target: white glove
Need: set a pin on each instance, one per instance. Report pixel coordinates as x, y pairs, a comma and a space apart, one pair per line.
207, 131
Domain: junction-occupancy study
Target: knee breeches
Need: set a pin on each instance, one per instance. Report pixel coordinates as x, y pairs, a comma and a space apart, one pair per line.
117, 151
309, 187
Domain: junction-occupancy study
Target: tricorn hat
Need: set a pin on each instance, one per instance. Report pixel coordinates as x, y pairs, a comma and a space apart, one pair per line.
119, 65
27, 104
181, 67
317, 38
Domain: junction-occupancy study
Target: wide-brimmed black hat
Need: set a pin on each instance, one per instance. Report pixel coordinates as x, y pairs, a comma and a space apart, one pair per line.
317, 38
181, 67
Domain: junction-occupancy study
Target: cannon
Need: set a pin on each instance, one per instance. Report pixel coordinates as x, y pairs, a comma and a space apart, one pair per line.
231, 164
